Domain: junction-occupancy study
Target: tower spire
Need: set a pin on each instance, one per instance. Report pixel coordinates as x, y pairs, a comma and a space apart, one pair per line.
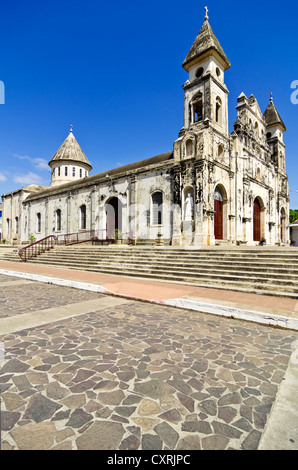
206, 14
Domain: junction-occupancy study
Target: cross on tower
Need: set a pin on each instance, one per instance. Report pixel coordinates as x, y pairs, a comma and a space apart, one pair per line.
206, 15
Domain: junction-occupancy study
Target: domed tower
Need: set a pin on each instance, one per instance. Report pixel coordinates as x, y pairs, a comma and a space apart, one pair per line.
69, 162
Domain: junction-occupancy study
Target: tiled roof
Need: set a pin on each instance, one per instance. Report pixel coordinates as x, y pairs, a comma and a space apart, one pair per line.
272, 116
205, 41
70, 150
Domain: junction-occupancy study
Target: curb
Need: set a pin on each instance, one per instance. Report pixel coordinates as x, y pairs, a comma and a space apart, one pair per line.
213, 309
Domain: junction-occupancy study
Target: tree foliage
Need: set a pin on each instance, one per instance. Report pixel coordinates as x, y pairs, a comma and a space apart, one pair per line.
293, 215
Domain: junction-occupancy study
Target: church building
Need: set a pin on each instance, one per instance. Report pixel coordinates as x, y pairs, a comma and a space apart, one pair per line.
212, 188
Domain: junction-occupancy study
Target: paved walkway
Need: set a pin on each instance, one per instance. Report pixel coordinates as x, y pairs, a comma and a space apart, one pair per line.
86, 370
268, 310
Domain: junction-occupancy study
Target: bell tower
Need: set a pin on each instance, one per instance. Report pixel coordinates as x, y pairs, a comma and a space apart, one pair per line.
275, 129
206, 95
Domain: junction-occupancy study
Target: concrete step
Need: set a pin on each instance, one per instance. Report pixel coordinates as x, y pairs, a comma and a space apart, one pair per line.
272, 272
218, 264
284, 273
287, 283
236, 283
165, 256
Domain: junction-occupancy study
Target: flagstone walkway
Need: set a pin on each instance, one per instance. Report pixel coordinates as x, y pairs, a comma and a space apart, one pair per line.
85, 370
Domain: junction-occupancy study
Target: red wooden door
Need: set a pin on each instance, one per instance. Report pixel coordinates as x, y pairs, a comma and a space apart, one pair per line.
282, 229
257, 221
218, 219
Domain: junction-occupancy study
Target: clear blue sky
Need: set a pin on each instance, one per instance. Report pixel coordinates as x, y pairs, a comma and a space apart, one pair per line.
114, 71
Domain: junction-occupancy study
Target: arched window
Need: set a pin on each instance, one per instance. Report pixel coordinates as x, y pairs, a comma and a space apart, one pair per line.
157, 214
38, 222
197, 108
17, 224
65, 173
218, 110
58, 170
58, 220
81, 172
257, 129
83, 217
220, 152
73, 171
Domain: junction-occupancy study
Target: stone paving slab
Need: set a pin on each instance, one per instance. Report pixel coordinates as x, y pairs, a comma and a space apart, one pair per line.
141, 376
35, 294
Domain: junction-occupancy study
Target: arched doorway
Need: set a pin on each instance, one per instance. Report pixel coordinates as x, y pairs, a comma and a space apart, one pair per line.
113, 217
218, 214
257, 220
282, 225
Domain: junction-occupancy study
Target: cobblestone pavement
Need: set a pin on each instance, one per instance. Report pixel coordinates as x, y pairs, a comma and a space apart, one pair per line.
135, 376
33, 295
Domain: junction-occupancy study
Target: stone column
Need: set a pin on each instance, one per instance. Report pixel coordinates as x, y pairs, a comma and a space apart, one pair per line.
46, 217
92, 208
68, 212
132, 208
198, 206
177, 210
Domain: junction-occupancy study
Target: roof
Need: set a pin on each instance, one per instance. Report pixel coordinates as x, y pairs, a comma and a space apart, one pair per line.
32, 188
295, 222
272, 116
118, 172
205, 42
70, 150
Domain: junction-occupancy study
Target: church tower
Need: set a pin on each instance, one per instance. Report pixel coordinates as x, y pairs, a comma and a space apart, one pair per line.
204, 138
205, 96
69, 162
205, 91
275, 129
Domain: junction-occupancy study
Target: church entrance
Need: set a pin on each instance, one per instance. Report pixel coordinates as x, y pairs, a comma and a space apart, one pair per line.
282, 225
218, 214
113, 218
257, 220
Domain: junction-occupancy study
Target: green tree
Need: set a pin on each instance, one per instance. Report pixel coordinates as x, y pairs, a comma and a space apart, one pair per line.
293, 215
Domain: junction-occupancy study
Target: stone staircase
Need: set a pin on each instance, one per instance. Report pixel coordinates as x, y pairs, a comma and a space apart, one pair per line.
257, 270
8, 252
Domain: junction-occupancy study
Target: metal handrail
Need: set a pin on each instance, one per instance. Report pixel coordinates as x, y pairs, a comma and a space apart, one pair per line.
38, 247
48, 243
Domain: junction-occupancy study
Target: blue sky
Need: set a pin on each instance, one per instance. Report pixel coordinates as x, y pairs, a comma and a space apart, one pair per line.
114, 71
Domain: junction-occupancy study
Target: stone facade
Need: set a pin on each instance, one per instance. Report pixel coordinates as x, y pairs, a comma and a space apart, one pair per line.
214, 187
